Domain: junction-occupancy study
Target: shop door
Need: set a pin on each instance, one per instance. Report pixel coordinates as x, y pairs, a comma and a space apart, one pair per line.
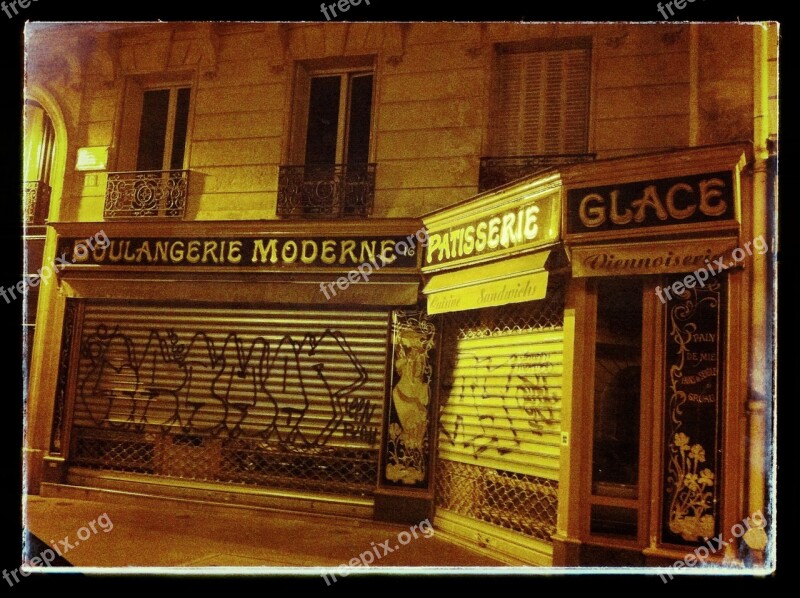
271, 398
499, 427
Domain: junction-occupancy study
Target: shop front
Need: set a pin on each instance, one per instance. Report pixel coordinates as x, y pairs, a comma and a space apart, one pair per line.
661, 297
495, 269
227, 361
592, 391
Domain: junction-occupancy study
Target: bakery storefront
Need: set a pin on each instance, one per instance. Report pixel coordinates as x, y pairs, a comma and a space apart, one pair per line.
229, 361
593, 389
495, 268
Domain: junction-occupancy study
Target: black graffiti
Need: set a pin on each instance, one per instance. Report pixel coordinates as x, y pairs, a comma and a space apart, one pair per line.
526, 386
226, 385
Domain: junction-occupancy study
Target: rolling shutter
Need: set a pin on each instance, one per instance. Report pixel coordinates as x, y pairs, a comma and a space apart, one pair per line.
504, 408
499, 427
270, 394
542, 104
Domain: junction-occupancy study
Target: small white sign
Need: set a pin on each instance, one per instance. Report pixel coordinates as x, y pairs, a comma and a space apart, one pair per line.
92, 158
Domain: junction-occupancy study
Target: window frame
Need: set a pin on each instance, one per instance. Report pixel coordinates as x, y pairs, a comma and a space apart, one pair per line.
129, 121
496, 99
347, 69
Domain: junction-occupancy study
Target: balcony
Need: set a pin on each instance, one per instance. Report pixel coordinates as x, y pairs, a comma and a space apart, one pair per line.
146, 194
36, 202
326, 190
495, 172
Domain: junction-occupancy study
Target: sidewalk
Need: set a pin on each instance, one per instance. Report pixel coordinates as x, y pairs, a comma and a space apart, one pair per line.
193, 535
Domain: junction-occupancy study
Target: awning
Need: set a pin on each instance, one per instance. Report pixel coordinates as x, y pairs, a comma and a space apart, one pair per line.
508, 281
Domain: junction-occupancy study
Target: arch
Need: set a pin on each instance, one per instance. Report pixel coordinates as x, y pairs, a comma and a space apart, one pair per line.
39, 94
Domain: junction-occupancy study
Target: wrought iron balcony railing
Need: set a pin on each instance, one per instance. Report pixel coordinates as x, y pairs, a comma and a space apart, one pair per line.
497, 171
146, 194
326, 190
36, 201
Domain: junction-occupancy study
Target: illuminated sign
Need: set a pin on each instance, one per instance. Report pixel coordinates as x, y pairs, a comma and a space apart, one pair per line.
702, 199
244, 252
659, 257
526, 224
92, 158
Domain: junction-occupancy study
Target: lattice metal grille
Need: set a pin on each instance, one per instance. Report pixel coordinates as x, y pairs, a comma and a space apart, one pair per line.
336, 470
521, 503
548, 313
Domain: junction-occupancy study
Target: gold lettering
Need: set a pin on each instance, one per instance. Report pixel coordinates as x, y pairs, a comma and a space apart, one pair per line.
304, 256
678, 213
367, 251
176, 252
508, 236
649, 198
129, 257
433, 244
328, 254
387, 251
595, 216
494, 232
480, 244
469, 239
260, 250
145, 248
708, 192
235, 252
531, 228
616, 217
444, 246
209, 247
286, 256
193, 252
348, 248
161, 251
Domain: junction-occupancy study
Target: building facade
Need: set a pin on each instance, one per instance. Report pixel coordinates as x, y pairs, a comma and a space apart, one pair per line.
513, 277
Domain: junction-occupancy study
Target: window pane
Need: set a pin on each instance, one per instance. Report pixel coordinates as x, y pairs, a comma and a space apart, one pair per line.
323, 120
618, 351
360, 112
179, 132
155, 107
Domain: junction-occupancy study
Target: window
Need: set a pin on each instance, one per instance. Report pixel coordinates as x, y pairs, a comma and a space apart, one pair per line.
155, 125
617, 398
162, 132
151, 179
339, 112
542, 99
330, 172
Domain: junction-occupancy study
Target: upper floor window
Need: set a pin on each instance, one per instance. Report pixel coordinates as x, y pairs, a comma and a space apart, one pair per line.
339, 109
330, 173
151, 179
162, 132
542, 99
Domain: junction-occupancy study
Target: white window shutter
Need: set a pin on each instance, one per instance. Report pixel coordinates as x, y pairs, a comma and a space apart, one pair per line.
542, 103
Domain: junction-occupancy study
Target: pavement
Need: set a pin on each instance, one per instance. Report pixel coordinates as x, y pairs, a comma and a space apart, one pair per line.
191, 534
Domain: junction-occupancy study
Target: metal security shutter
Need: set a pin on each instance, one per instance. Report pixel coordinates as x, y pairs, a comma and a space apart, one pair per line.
277, 398
542, 103
499, 426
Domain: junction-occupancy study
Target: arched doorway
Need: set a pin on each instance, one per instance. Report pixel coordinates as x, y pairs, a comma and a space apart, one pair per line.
43, 167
